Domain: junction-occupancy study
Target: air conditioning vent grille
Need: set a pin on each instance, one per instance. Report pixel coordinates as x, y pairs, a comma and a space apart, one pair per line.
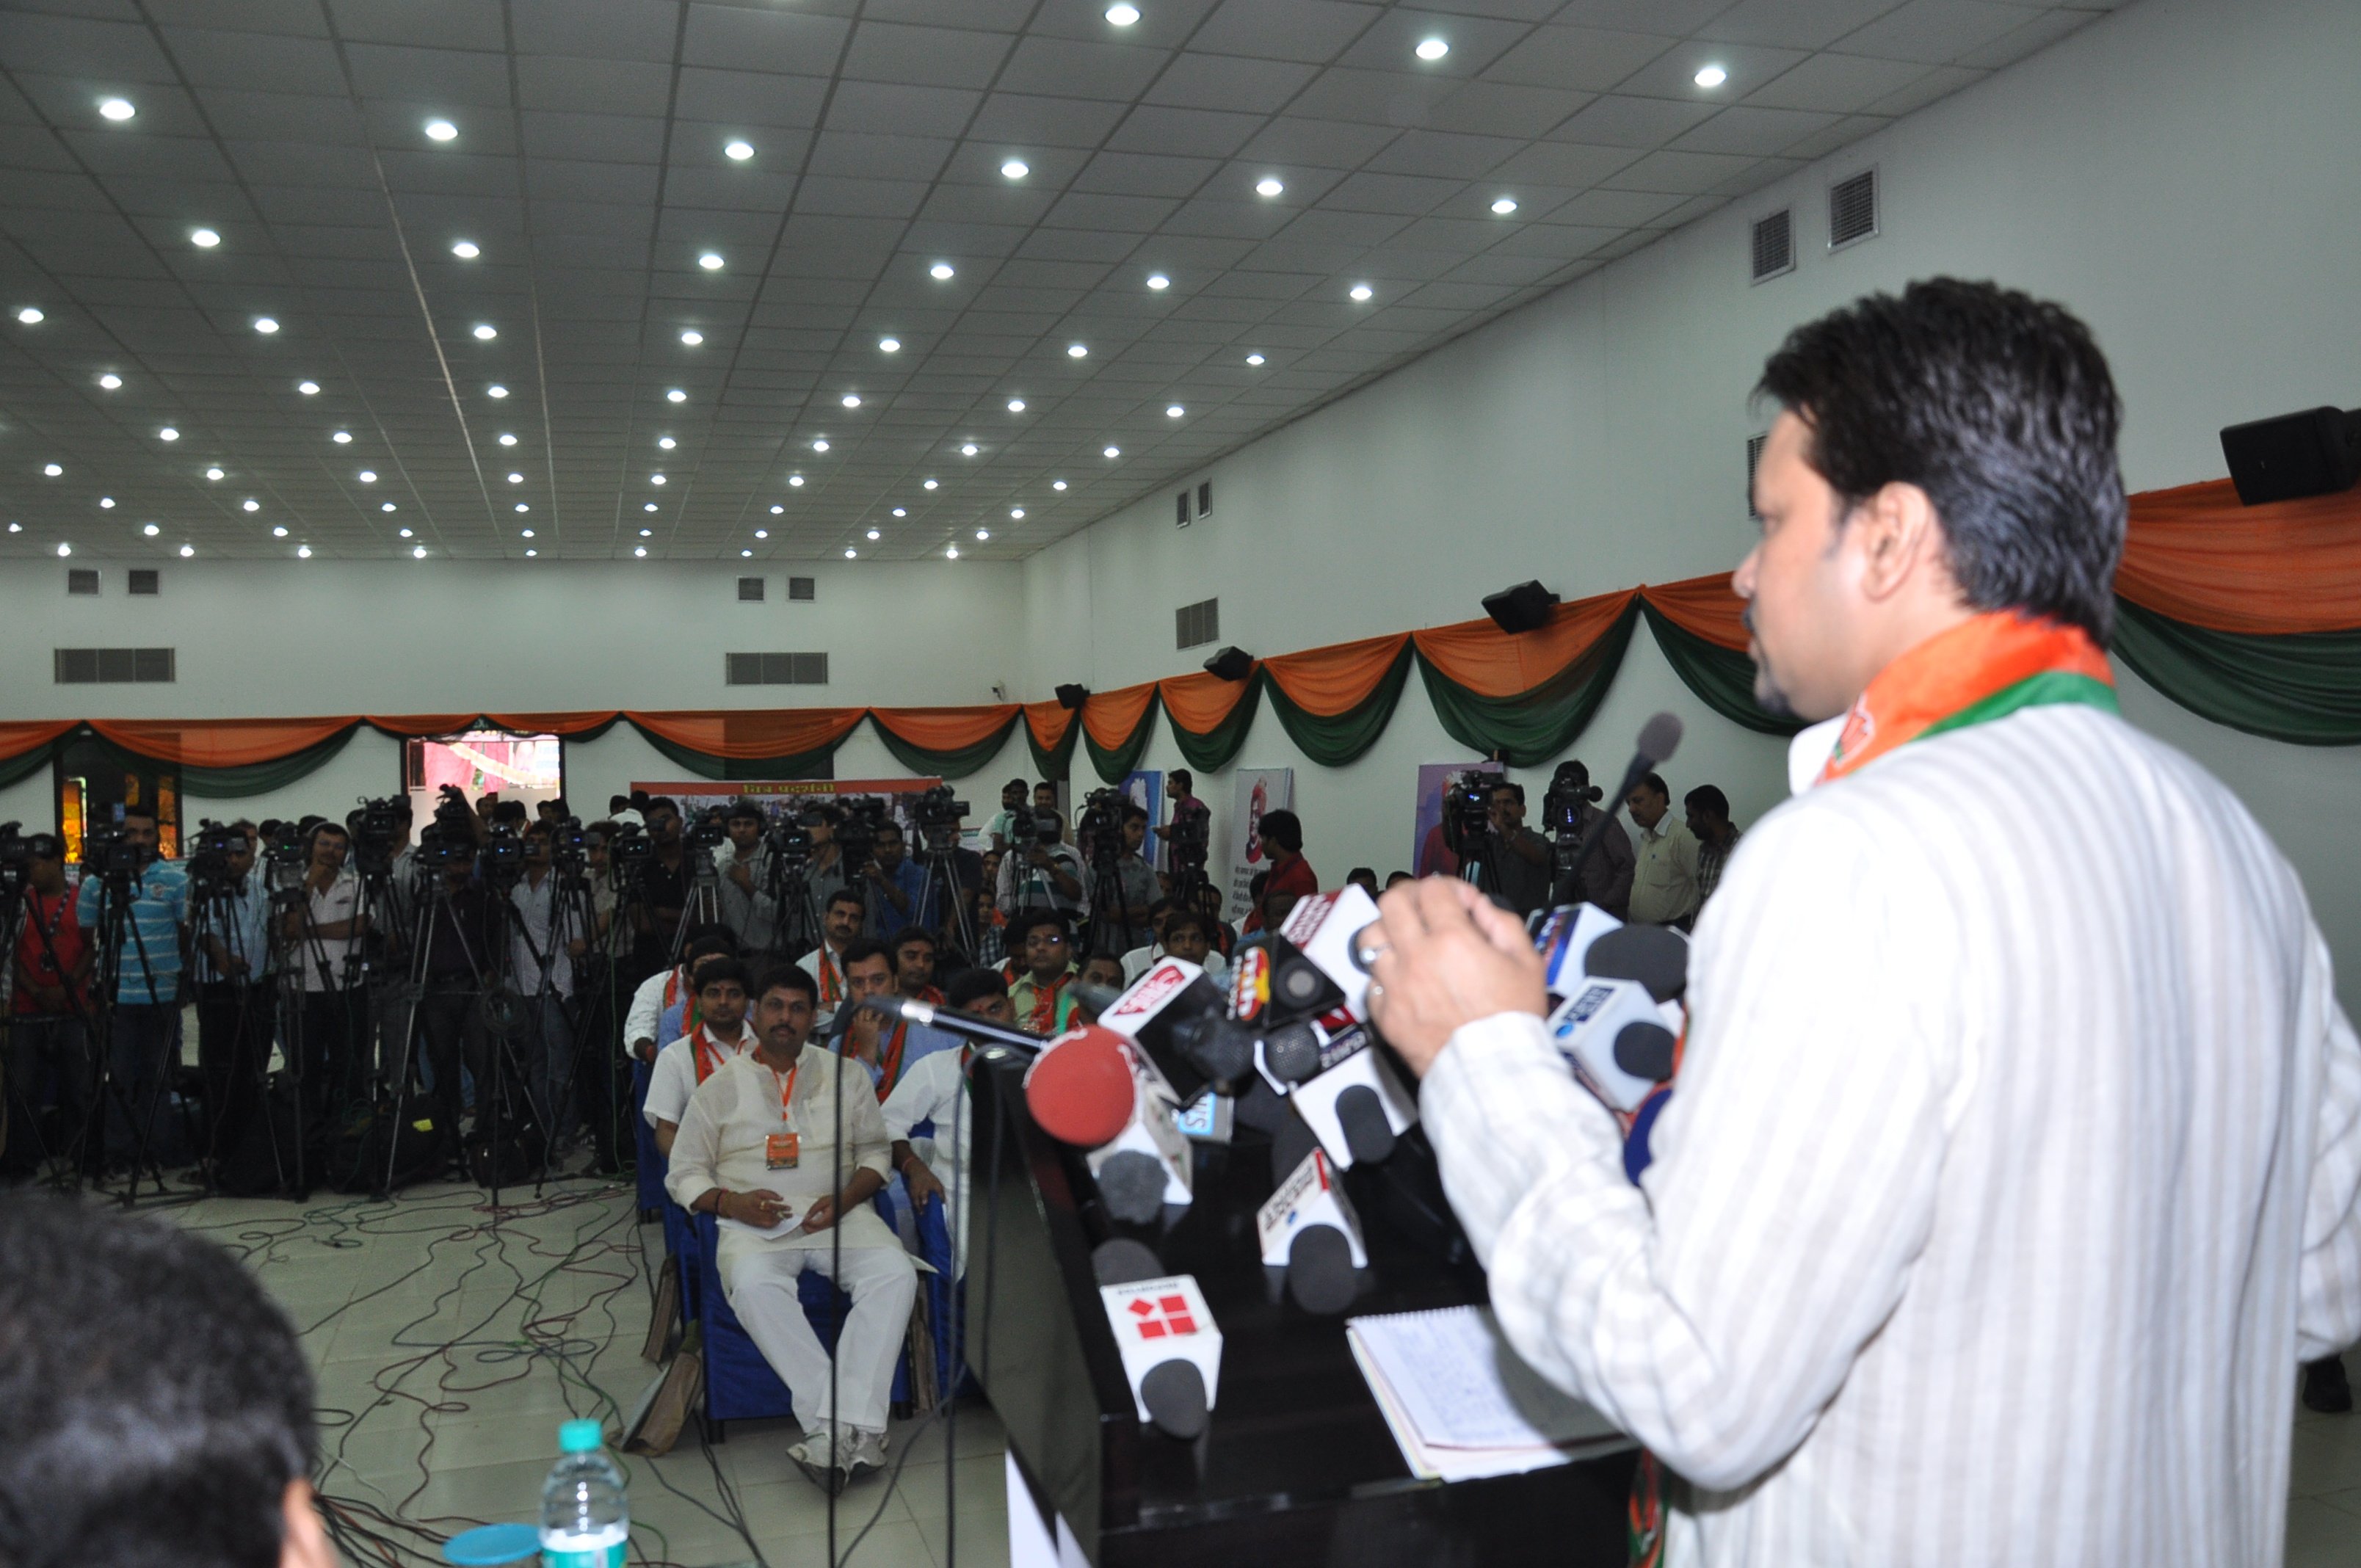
1774, 245
1852, 209
1194, 625
800, 588
750, 588
81, 579
775, 669
113, 667
144, 580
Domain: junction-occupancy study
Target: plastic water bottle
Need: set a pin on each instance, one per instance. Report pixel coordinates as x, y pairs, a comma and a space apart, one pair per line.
586, 1521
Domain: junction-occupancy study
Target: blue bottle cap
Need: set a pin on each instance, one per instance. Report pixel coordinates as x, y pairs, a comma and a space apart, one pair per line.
489, 1546
581, 1437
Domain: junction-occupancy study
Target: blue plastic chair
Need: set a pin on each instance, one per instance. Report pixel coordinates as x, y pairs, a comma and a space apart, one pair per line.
945, 1299
651, 1163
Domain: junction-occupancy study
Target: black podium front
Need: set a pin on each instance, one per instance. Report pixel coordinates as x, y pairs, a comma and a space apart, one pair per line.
1297, 1465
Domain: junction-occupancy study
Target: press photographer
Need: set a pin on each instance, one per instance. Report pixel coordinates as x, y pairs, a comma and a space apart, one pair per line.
48, 1061
1569, 811
138, 904
229, 918
1039, 872
898, 891
324, 931
1119, 885
748, 905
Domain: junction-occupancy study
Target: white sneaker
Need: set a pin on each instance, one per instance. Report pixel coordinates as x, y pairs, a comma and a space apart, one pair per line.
861, 1450
866, 1451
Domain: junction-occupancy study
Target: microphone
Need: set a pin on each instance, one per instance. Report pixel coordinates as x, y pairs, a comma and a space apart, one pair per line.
1309, 1228
1347, 1093
1658, 739
1171, 1350
1619, 1040
1087, 1089
945, 1018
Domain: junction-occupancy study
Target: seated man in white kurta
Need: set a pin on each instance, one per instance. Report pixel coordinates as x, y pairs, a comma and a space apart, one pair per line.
758, 1148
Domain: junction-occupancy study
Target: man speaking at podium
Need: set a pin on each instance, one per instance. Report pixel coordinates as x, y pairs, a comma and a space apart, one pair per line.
2011, 1169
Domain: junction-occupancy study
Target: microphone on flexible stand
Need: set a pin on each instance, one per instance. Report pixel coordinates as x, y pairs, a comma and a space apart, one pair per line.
1658, 739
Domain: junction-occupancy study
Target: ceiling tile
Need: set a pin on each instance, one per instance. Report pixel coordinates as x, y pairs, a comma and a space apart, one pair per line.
1935, 32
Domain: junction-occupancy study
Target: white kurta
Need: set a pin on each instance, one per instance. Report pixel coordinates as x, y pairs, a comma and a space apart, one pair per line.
933, 1089
722, 1138
2011, 1171
672, 1080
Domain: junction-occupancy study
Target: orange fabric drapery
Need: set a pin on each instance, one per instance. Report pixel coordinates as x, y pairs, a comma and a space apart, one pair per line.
20, 736
1203, 702
2194, 554
1326, 682
218, 742
1702, 607
945, 728
1046, 723
751, 733
1479, 655
1109, 718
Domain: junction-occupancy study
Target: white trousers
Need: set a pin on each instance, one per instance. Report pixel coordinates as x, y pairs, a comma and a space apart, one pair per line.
882, 1283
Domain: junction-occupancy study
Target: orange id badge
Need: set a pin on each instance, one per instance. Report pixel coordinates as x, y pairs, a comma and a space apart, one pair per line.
782, 1151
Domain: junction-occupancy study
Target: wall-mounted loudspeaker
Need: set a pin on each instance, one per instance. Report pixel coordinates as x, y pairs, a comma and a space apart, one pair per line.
1070, 695
1231, 664
1525, 607
2315, 452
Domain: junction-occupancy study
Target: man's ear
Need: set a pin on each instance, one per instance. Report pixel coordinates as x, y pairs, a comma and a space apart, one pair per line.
1896, 536
305, 1541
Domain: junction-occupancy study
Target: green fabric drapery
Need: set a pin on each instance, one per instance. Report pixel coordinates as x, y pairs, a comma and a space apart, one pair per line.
1721, 679
1336, 740
239, 782
953, 763
810, 764
2304, 687
26, 764
1537, 724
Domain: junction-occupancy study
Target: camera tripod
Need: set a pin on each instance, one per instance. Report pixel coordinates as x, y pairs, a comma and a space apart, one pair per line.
942, 886
114, 920
237, 1078
18, 918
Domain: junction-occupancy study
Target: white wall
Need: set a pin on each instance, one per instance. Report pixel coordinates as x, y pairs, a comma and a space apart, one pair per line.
2179, 173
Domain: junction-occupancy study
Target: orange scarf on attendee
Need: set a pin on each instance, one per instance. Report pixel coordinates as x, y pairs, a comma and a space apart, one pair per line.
832, 982
688, 1018
889, 1060
708, 1052
1981, 669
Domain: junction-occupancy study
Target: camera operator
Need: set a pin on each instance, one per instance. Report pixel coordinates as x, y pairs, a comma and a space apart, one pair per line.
1605, 878
545, 936
1044, 804
1001, 830
1520, 857
325, 931
1039, 872
664, 883
48, 1050
459, 937
1135, 891
231, 965
150, 896
897, 893
744, 864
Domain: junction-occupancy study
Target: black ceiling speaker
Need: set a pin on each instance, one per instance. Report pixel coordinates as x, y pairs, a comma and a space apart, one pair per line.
1525, 607
1070, 695
1231, 664
2315, 452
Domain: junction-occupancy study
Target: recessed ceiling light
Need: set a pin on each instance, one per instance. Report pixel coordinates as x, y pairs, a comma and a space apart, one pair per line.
1157, 281
204, 239
507, 439
280, 531
250, 504
1017, 513
302, 552
167, 434
874, 534
1174, 410
968, 450
1505, 205
889, 346
795, 481
941, 272
149, 529
675, 396
1268, 185
665, 442
523, 506
901, 512
1076, 350
213, 474
650, 507
368, 476
418, 551
1432, 48
64, 549
764, 533
1113, 452
853, 399
983, 533
952, 552
1361, 291
531, 554
516, 479
187, 551
524, 533
51, 469
1016, 405
821, 445
1254, 358
107, 503
710, 262
496, 390
850, 552
739, 151
1712, 76
1122, 16
309, 388
1056, 484
655, 478
741, 552
930, 484
639, 550
110, 381
116, 108
1014, 168
692, 337
341, 437
647, 533
441, 130
31, 316
778, 511
407, 534
465, 249
389, 507
486, 332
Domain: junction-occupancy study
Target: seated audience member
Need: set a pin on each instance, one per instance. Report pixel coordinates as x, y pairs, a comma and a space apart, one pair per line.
990, 932
932, 1095
723, 989
886, 1045
1103, 972
1278, 904
1040, 987
839, 927
1521, 858
160, 1407
915, 960
896, 886
1716, 834
1288, 873
1397, 879
1664, 878
1136, 961
1363, 876
664, 1005
757, 1149
1190, 936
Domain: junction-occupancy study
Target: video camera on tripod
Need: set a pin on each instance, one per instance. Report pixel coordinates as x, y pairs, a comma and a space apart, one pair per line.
789, 840
856, 833
209, 853
1467, 812
1570, 790
710, 831
938, 816
16, 860
627, 848
1189, 836
286, 856
500, 858
1100, 830
378, 829
108, 853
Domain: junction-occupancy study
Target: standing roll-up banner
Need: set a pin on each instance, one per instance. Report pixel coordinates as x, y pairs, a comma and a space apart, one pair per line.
1260, 790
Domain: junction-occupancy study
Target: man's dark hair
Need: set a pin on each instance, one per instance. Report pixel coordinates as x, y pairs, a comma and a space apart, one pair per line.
659, 803
909, 934
1023, 926
1135, 813
141, 808
864, 949
889, 825
1398, 876
1012, 784
1186, 920
1043, 784
743, 810
787, 977
619, 802
726, 968
1366, 875
338, 828
1709, 799
1509, 786
1285, 830
1656, 782
158, 1402
2001, 408
710, 945
1255, 883
1182, 776
973, 985
853, 895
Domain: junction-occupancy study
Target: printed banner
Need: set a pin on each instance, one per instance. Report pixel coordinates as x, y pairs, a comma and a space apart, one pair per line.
779, 797
1260, 790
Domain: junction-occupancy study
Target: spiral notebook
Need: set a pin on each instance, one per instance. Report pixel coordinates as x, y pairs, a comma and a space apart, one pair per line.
1462, 1404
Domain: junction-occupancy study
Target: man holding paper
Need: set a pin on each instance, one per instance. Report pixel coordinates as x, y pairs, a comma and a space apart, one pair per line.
758, 1148
2014, 1166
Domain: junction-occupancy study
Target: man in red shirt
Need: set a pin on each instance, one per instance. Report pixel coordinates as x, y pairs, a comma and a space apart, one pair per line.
49, 1045
1288, 873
